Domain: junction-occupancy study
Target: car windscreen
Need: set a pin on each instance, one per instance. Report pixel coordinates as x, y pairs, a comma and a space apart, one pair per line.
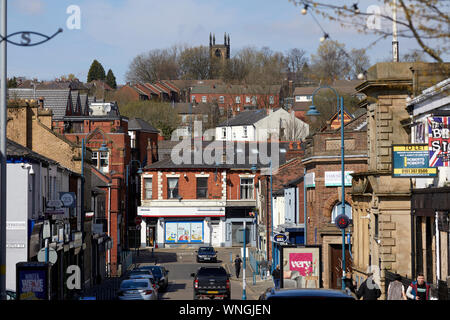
206, 250
133, 285
154, 269
208, 272
139, 272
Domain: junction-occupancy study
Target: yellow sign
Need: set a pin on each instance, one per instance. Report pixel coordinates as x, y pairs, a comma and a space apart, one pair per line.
411, 148
415, 171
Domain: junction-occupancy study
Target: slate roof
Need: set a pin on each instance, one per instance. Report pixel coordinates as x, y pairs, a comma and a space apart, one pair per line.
167, 163
15, 150
138, 124
56, 100
245, 118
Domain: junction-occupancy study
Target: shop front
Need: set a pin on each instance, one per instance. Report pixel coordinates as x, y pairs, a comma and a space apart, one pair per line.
181, 226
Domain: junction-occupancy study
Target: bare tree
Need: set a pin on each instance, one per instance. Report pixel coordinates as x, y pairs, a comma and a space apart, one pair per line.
294, 129
426, 21
296, 61
330, 62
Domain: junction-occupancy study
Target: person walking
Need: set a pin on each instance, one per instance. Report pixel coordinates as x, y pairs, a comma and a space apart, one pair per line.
350, 285
396, 290
237, 265
419, 289
369, 289
276, 274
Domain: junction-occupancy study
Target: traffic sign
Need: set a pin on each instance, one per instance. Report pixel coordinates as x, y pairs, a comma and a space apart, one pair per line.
138, 220
342, 221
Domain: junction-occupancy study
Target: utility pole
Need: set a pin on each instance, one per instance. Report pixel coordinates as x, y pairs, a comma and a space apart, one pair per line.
395, 54
3, 84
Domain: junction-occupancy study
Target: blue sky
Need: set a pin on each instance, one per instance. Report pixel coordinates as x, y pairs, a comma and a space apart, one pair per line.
115, 31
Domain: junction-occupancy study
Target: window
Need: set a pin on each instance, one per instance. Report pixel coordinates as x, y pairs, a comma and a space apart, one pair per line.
247, 99
221, 99
337, 210
224, 132
104, 162
246, 188
298, 98
376, 226
238, 99
192, 99
271, 100
202, 188
205, 118
172, 188
95, 159
148, 186
254, 100
204, 99
245, 132
183, 118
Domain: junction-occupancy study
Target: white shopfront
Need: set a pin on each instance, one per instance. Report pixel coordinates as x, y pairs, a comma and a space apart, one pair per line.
190, 226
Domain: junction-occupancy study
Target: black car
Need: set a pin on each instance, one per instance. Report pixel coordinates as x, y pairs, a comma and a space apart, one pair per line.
211, 282
206, 254
160, 273
306, 294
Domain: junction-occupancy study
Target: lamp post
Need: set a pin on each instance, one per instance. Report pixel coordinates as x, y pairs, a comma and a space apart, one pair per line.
24, 42
313, 112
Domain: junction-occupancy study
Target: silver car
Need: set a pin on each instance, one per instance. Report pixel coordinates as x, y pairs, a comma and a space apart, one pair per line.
137, 289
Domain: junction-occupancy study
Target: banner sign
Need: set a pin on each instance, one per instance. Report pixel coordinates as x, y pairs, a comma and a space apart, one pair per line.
439, 141
411, 161
184, 232
334, 178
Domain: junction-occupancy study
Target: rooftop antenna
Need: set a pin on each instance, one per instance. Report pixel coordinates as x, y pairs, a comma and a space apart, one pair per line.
394, 32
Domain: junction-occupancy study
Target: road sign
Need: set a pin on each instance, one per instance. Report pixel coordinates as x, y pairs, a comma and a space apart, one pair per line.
342, 221
52, 255
138, 220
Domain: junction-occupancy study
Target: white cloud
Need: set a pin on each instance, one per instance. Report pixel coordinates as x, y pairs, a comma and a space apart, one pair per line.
31, 7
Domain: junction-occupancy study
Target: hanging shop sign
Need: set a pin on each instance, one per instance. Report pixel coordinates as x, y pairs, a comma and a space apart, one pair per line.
411, 161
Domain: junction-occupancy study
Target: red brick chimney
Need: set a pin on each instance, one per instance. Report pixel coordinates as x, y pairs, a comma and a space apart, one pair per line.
294, 150
152, 151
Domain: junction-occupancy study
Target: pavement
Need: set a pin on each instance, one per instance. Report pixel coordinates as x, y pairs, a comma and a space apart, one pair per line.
181, 262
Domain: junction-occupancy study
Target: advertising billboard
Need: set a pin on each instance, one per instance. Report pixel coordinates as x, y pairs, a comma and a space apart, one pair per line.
411, 161
33, 281
439, 141
301, 267
184, 232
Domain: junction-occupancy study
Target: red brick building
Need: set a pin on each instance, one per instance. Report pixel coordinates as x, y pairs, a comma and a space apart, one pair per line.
237, 98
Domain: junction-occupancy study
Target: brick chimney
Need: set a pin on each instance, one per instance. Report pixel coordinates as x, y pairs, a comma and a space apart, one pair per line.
294, 150
152, 151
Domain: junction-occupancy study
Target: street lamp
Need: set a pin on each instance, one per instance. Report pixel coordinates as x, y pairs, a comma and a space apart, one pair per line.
313, 111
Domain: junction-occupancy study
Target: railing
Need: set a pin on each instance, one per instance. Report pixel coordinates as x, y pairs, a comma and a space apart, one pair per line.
127, 260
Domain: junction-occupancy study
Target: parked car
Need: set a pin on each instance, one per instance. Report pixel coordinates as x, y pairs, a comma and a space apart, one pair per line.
160, 273
138, 271
146, 276
306, 294
206, 254
137, 289
211, 282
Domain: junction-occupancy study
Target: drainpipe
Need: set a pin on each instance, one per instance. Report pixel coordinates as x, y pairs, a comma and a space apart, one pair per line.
438, 252
305, 208
109, 228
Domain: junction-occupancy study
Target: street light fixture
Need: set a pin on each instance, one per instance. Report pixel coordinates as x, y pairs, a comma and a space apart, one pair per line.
313, 111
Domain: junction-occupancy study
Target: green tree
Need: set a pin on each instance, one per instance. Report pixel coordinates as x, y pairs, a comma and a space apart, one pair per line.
111, 79
12, 83
158, 114
96, 72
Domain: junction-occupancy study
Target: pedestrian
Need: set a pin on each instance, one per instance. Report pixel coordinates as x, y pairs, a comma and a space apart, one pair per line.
350, 285
237, 265
396, 290
419, 289
276, 274
369, 289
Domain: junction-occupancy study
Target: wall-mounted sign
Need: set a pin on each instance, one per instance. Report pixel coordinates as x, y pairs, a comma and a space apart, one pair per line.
69, 199
279, 238
411, 161
334, 178
439, 141
181, 211
33, 281
184, 232
310, 180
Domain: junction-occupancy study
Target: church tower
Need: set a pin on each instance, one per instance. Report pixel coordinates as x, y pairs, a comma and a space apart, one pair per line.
220, 51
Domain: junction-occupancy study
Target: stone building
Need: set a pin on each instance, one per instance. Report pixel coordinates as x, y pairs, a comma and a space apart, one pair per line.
382, 204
